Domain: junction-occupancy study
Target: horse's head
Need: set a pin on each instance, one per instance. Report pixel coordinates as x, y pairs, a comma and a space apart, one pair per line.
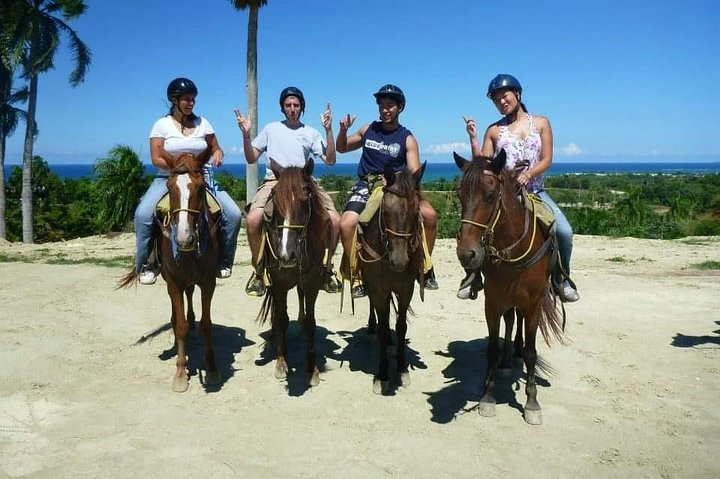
288, 223
481, 201
400, 216
187, 198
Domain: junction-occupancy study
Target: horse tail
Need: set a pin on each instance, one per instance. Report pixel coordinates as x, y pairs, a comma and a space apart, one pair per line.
130, 278
267, 309
551, 324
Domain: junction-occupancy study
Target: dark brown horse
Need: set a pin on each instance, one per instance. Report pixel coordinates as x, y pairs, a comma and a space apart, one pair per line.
188, 246
298, 233
391, 258
500, 237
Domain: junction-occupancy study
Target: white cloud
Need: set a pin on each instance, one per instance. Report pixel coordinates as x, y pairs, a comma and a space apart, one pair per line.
571, 150
447, 148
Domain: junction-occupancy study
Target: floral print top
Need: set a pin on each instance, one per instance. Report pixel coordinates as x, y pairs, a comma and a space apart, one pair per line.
518, 150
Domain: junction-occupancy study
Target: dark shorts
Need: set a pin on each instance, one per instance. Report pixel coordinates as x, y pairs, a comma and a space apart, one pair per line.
359, 195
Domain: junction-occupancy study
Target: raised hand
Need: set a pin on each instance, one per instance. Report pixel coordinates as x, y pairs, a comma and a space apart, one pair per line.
326, 118
470, 127
347, 121
243, 123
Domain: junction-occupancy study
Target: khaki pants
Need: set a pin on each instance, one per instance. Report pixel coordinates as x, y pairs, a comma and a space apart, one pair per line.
263, 193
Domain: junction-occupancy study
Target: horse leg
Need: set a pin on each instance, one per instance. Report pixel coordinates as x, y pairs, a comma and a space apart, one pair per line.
301, 305
532, 411
505, 369
401, 331
180, 328
190, 310
309, 323
212, 375
372, 320
487, 402
519, 344
382, 309
280, 322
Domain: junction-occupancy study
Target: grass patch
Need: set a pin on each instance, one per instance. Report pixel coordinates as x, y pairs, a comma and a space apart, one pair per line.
115, 262
14, 258
619, 259
696, 242
707, 265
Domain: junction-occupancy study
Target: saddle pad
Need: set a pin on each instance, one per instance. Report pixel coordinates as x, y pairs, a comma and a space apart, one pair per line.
543, 212
163, 206
372, 205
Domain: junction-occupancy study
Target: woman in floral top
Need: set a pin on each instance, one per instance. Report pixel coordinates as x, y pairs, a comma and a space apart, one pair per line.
525, 138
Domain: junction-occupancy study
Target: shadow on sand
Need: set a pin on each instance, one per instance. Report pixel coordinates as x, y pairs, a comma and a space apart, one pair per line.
227, 342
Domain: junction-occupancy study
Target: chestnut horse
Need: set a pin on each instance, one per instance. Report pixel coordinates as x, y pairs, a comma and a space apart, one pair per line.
189, 250
391, 258
297, 234
503, 239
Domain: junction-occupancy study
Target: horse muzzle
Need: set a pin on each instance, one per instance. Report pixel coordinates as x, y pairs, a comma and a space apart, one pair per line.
470, 257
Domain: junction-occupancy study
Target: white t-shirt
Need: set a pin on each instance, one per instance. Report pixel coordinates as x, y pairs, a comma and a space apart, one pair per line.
288, 146
176, 143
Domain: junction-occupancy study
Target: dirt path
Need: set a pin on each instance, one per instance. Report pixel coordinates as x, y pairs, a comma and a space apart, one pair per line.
635, 393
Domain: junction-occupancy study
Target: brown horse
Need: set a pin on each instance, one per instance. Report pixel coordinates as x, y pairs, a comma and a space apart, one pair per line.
298, 233
189, 251
500, 237
391, 257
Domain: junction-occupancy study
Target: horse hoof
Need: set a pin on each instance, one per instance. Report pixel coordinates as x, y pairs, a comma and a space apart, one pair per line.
180, 385
533, 417
280, 373
404, 379
486, 409
213, 377
379, 386
314, 379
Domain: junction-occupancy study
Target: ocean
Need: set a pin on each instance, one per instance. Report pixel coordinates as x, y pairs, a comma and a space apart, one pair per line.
437, 170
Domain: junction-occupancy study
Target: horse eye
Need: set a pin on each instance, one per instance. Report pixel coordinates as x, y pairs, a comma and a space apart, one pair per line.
490, 197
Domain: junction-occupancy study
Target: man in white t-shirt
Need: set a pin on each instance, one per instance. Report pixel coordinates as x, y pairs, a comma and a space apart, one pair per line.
289, 143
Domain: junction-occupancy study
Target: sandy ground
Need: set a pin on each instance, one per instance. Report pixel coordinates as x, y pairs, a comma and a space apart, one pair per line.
635, 393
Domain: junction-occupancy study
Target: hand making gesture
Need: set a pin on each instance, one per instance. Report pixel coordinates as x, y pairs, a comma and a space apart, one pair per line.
243, 123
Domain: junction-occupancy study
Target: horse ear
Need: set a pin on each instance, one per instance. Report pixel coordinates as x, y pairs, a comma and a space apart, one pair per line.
389, 174
461, 162
308, 168
499, 162
417, 176
276, 169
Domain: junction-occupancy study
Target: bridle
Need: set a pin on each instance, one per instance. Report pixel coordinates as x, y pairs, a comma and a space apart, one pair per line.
488, 237
171, 219
303, 228
386, 232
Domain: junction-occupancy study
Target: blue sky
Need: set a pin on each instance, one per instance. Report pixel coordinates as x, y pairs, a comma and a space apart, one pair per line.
620, 81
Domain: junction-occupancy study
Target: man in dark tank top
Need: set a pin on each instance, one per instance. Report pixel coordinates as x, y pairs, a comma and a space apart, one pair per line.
384, 143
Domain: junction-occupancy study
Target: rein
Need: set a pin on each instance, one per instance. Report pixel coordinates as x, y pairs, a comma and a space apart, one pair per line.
488, 237
384, 232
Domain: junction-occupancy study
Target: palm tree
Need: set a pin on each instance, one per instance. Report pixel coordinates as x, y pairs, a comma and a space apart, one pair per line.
251, 175
10, 116
120, 185
31, 37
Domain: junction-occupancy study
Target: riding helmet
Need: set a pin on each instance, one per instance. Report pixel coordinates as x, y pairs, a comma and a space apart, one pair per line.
503, 80
292, 91
390, 91
181, 86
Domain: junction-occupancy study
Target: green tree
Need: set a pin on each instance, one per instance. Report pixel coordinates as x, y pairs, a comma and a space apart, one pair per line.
251, 175
31, 37
10, 117
120, 184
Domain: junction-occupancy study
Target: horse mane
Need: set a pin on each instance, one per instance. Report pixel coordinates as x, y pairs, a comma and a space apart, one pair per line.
290, 186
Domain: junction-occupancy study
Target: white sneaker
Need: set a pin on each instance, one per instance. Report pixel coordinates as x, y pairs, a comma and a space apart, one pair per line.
147, 275
569, 294
224, 273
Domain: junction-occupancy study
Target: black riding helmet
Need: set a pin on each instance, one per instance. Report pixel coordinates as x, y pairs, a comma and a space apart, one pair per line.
292, 91
391, 91
503, 80
181, 86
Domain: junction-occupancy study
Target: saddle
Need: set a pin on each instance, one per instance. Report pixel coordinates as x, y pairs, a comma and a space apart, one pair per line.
163, 206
